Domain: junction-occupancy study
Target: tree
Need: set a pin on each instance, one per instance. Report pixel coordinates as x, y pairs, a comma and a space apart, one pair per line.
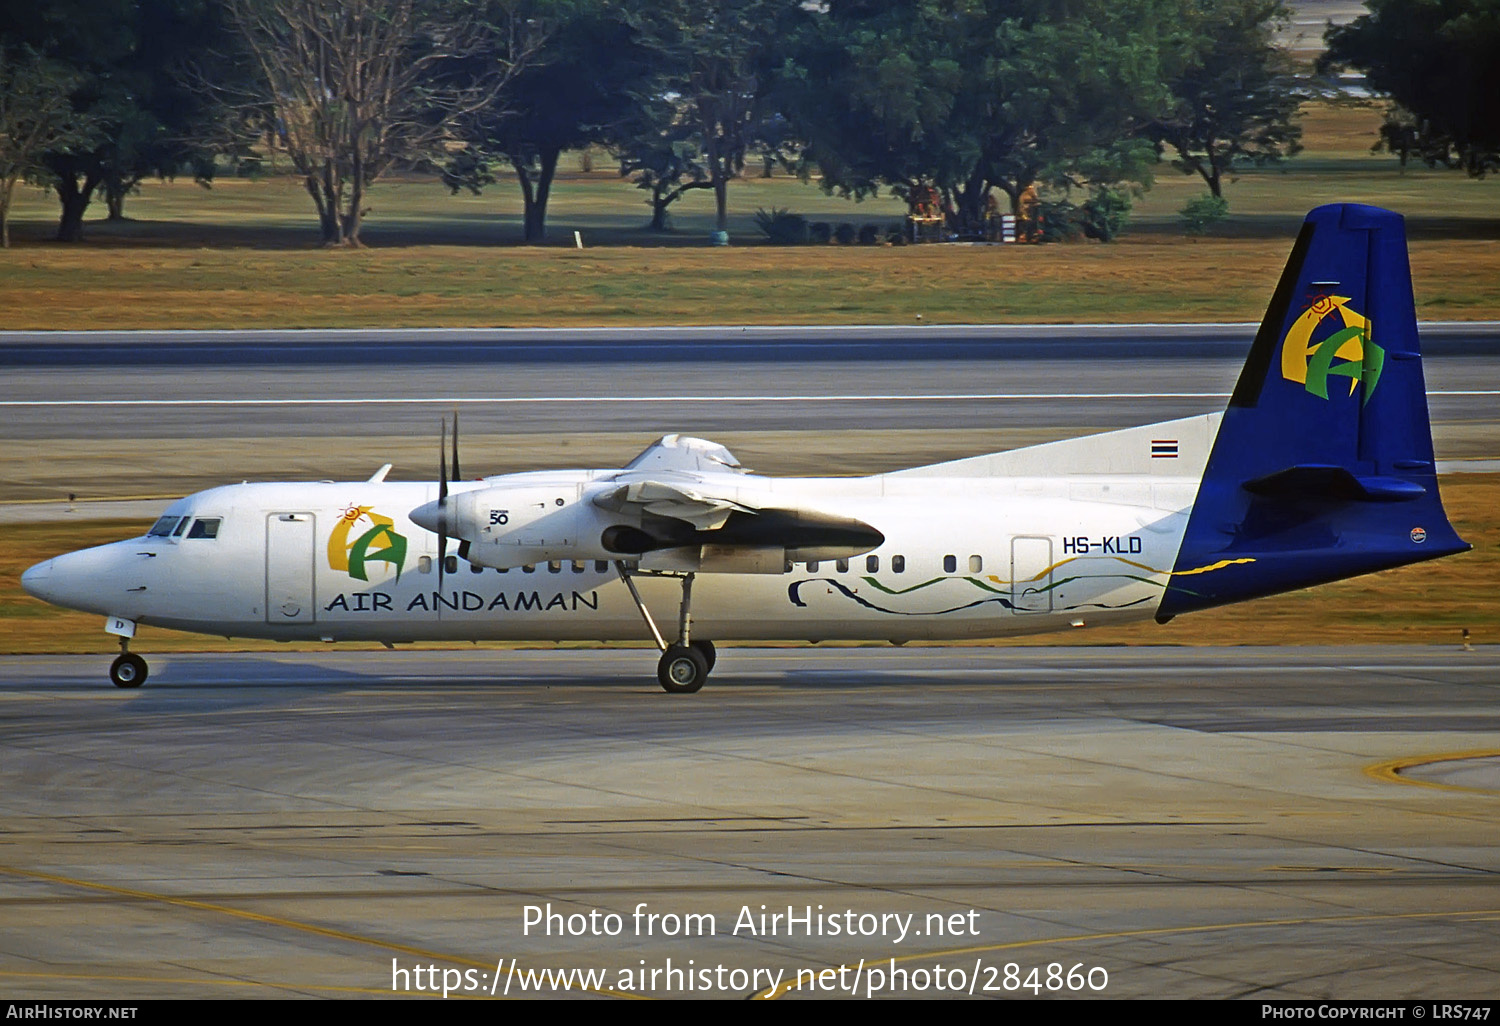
36, 116
712, 57
575, 89
358, 87
161, 132
968, 98
125, 54
1235, 101
1439, 61
659, 145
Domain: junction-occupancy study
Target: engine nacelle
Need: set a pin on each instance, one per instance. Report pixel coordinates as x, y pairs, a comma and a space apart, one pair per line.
520, 526
531, 522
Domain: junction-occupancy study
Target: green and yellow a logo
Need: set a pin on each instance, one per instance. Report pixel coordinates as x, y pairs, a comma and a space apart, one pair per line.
1311, 364
380, 543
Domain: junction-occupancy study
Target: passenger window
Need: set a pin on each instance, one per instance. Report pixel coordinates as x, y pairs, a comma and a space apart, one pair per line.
163, 527
950, 564
424, 564
579, 566
843, 566
601, 566
812, 566
554, 566
976, 565
528, 568
872, 564
898, 564
450, 564
205, 527
475, 568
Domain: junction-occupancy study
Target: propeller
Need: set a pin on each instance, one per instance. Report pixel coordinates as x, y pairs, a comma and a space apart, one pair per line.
443, 479
463, 544
443, 501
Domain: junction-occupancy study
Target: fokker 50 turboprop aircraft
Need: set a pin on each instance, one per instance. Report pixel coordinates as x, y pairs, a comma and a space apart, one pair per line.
1320, 468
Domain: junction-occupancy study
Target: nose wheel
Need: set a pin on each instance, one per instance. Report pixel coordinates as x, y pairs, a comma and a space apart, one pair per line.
128, 671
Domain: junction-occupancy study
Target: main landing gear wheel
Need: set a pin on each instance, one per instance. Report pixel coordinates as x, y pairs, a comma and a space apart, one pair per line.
683, 668
685, 664
128, 671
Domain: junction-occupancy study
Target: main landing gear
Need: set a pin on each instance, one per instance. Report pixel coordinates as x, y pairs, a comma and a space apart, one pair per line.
685, 664
128, 670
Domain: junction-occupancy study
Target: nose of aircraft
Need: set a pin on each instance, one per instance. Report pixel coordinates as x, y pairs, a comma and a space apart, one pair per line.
36, 580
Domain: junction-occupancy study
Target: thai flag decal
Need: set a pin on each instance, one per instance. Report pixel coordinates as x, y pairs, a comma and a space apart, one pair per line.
1163, 448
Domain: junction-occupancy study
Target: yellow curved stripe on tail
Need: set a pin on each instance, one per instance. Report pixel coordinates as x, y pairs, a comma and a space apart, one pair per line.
1221, 564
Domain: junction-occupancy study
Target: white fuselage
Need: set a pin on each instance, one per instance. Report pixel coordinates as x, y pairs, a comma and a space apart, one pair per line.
963, 557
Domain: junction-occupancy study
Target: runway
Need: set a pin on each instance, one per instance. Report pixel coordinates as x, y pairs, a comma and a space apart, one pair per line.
295, 384
1189, 822
106, 414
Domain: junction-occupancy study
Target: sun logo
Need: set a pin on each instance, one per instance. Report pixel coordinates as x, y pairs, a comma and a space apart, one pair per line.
378, 544
1311, 363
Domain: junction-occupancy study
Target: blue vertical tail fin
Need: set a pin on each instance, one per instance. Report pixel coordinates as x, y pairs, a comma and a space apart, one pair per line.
1323, 466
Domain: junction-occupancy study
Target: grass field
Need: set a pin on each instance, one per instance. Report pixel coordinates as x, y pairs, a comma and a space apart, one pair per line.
1428, 603
244, 254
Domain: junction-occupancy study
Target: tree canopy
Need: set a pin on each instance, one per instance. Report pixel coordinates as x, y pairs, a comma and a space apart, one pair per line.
577, 89
974, 102
1439, 61
1235, 99
971, 97
124, 56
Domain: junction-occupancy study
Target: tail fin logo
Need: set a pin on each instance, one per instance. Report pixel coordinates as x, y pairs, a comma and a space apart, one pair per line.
1326, 331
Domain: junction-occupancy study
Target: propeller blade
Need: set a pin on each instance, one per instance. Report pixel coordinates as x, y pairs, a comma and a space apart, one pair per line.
442, 502
456, 475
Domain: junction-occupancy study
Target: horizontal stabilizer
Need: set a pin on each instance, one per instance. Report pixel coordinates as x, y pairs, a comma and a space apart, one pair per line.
1333, 484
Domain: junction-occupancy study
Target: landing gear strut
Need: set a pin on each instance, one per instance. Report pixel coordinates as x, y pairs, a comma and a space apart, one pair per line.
128, 670
685, 664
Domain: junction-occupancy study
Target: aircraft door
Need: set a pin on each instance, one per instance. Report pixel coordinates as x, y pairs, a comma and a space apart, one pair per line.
1031, 575
289, 567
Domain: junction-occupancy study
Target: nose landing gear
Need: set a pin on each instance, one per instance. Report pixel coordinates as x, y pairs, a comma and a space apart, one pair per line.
128, 670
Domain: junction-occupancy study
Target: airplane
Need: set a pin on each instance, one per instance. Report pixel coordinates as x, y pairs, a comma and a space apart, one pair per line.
1320, 468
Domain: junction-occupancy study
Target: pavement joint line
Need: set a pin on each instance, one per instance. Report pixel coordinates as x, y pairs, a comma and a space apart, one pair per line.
97, 498
1391, 771
210, 982
500, 331
532, 400
927, 956
258, 917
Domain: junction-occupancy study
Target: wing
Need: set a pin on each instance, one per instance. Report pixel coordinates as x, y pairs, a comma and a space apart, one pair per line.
718, 524
676, 501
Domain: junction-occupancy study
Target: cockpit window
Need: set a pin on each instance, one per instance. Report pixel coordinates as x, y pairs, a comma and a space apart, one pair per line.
205, 527
182, 526
163, 527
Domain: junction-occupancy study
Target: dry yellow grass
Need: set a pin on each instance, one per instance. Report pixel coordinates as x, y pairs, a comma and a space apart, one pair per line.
1143, 278
1429, 603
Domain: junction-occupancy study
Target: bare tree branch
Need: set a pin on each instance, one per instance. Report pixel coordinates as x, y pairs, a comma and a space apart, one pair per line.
355, 88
